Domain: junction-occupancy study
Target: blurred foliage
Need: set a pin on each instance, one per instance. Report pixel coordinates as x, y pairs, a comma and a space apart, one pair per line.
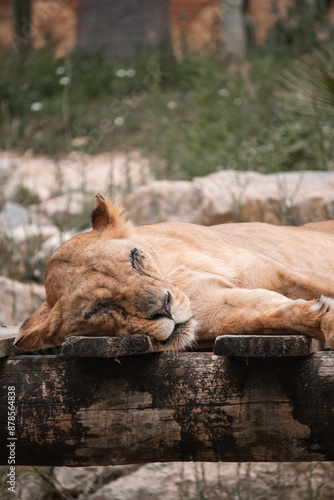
26, 197
303, 28
189, 117
311, 87
24, 261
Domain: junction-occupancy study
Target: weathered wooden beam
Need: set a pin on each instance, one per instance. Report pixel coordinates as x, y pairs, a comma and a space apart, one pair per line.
168, 407
266, 345
109, 347
91, 347
7, 336
226, 345
114, 347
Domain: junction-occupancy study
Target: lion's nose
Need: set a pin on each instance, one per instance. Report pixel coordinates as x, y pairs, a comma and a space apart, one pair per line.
165, 309
154, 303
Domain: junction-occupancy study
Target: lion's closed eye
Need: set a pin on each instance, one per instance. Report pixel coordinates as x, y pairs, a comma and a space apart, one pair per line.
104, 307
136, 259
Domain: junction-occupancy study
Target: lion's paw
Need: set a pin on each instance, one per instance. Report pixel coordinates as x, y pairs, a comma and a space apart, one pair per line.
325, 308
323, 305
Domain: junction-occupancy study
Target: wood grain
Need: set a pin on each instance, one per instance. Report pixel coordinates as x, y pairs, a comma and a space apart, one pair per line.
169, 407
7, 336
266, 345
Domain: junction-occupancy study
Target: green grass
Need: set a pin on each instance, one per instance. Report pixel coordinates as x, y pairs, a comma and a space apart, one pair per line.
189, 117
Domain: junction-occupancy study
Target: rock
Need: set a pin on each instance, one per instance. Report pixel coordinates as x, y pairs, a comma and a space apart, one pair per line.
55, 241
74, 480
30, 481
193, 481
162, 201
9, 178
71, 202
292, 198
60, 208
13, 215
79, 172
28, 231
20, 224
18, 300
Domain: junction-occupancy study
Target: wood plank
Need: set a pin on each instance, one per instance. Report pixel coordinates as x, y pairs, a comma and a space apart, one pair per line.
168, 407
113, 347
226, 345
7, 337
109, 347
266, 345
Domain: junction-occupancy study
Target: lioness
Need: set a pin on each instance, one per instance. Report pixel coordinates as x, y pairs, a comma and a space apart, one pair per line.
180, 282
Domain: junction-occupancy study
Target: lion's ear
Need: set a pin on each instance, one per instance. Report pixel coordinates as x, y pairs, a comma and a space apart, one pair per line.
40, 329
108, 216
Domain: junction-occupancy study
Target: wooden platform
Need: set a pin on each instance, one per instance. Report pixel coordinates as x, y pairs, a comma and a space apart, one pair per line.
266, 346
7, 336
226, 345
91, 404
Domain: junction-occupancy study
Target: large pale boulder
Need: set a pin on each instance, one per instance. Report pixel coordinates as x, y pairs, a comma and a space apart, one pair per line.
75, 480
13, 215
292, 198
18, 300
106, 172
175, 480
21, 224
70, 203
162, 201
258, 481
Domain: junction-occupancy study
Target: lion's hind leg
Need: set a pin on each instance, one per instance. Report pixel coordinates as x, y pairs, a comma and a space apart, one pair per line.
222, 311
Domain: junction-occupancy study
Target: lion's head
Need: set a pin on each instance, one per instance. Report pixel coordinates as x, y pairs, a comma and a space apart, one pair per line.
108, 282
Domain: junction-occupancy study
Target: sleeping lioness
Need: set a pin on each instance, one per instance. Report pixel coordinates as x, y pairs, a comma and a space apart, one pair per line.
180, 282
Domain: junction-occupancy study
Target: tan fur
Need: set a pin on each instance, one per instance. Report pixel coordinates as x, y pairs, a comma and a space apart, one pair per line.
178, 282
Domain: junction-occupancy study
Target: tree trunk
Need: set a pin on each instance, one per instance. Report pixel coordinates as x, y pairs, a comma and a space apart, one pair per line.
234, 34
22, 19
120, 28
